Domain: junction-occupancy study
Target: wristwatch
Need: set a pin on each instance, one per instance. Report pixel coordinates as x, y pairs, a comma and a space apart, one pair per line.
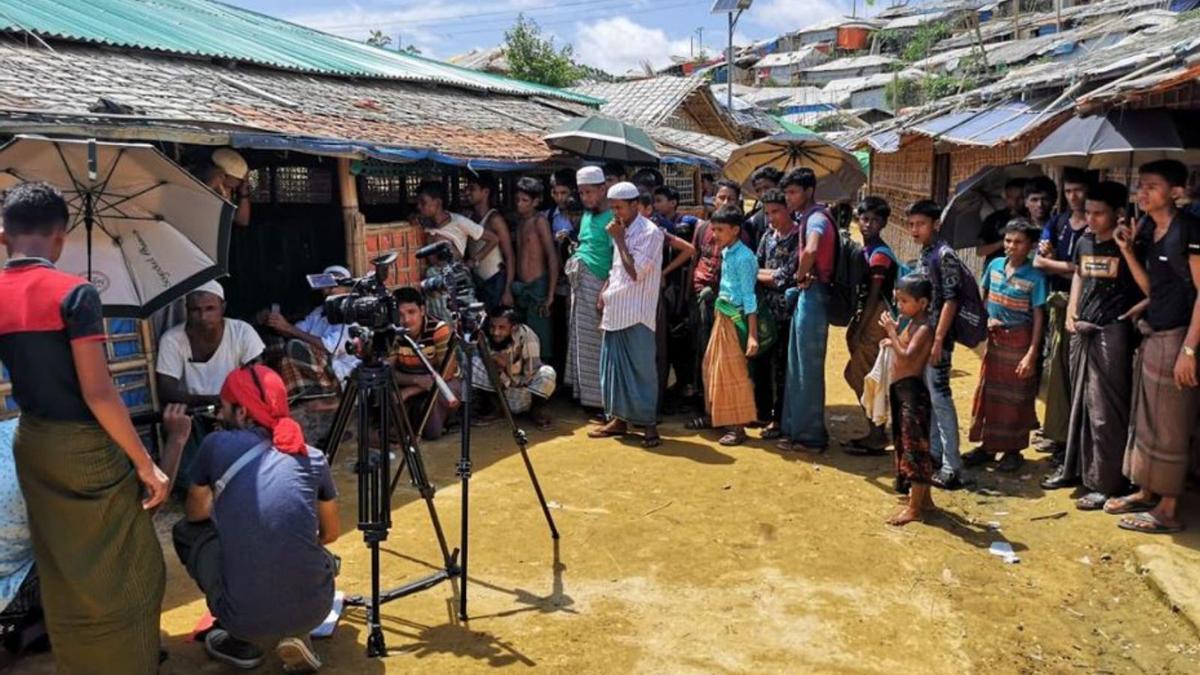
1189, 352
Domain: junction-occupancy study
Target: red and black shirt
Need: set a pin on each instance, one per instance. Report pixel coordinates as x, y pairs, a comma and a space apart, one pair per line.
44, 311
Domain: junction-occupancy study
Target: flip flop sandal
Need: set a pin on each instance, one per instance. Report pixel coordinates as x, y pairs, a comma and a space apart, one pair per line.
732, 438
1125, 505
772, 433
1148, 524
698, 422
1092, 501
786, 445
651, 441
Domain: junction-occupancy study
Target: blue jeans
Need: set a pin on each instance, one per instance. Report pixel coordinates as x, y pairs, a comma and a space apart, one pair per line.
943, 441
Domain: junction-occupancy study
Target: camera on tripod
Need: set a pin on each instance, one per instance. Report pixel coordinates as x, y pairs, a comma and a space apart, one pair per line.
369, 303
455, 281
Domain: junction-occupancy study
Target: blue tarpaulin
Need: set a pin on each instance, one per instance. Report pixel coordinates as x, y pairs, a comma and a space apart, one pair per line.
386, 153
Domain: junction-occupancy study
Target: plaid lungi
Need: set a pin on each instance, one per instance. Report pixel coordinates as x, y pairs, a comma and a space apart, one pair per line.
728, 392
518, 395
1163, 416
305, 371
1003, 413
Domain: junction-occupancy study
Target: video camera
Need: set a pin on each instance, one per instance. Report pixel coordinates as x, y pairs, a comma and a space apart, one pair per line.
455, 281
369, 303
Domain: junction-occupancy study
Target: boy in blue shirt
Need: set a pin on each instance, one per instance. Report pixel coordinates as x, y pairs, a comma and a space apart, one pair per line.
728, 391
1015, 296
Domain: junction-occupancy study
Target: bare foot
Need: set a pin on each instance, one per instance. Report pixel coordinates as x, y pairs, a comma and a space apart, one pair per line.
905, 516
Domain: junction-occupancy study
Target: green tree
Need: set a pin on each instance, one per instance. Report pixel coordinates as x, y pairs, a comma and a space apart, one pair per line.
379, 39
535, 59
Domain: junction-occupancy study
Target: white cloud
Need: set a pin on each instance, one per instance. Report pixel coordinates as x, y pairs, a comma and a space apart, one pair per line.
785, 16
620, 44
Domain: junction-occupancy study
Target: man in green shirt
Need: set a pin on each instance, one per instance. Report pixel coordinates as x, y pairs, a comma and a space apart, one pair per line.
587, 271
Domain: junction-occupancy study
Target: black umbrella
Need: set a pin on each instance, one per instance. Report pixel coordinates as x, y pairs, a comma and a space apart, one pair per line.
975, 199
1120, 139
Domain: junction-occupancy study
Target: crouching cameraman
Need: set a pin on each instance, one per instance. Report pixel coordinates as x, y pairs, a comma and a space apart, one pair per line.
260, 507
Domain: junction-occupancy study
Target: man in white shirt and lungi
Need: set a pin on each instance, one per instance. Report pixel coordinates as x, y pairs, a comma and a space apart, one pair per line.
629, 301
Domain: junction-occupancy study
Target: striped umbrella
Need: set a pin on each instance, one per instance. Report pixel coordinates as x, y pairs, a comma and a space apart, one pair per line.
604, 139
839, 173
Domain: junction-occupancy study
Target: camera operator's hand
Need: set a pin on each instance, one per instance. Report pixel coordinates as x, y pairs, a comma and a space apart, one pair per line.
177, 423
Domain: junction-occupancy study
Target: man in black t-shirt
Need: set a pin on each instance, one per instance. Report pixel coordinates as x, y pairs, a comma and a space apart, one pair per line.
991, 233
1164, 405
1103, 294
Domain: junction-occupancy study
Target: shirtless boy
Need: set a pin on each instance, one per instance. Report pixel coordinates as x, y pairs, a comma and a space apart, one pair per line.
537, 265
909, 396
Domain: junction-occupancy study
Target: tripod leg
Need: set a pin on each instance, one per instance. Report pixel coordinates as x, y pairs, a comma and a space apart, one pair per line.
518, 433
411, 459
464, 465
340, 419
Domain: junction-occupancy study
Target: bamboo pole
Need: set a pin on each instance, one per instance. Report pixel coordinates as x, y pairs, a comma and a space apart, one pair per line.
353, 222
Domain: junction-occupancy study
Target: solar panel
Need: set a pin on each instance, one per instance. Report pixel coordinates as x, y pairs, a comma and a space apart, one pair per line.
727, 6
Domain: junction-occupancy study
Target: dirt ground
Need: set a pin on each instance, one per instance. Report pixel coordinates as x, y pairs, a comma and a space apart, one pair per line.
693, 558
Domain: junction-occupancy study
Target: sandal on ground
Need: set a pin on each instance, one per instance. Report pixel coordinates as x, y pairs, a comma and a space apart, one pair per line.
542, 422
608, 431
792, 446
1148, 523
1010, 462
732, 438
771, 433
860, 448
651, 441
1092, 501
947, 481
978, 457
1122, 505
698, 422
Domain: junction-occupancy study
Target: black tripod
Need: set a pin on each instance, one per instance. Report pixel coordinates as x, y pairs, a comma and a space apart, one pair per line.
374, 391
468, 343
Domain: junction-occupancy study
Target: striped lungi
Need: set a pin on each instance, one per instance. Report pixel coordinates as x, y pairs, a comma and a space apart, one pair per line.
583, 343
728, 392
99, 561
1163, 416
518, 396
1003, 413
628, 376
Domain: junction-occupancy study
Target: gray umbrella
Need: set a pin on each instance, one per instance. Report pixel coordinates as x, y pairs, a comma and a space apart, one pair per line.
975, 199
1119, 139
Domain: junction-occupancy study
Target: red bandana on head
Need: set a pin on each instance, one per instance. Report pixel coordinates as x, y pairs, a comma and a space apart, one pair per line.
260, 392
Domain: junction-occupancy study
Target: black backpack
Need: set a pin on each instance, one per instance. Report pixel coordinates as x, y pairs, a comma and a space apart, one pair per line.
849, 271
970, 322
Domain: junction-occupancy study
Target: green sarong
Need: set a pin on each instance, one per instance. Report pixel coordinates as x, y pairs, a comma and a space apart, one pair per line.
1057, 372
100, 563
527, 300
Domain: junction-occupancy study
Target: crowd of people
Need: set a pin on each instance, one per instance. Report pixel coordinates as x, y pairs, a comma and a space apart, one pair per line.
607, 290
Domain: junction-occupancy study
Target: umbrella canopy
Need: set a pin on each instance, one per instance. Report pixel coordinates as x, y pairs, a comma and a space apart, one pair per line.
603, 139
975, 199
143, 230
839, 173
1120, 139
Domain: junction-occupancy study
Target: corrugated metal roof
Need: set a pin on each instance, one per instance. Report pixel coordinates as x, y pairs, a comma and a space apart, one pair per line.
645, 103
212, 29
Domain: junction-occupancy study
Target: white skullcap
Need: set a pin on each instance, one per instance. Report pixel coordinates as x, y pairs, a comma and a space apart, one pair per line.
624, 190
211, 287
589, 175
231, 163
337, 271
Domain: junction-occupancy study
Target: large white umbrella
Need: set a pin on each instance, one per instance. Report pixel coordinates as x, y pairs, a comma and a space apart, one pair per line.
839, 173
143, 229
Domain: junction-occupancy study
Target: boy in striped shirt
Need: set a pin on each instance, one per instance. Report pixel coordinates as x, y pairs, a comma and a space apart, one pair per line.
1015, 296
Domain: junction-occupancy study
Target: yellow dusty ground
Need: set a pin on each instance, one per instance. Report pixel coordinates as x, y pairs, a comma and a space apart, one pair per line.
695, 558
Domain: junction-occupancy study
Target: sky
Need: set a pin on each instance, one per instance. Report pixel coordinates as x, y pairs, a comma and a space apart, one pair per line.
615, 35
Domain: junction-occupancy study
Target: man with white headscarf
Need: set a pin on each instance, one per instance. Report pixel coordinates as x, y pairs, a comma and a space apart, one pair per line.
587, 271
